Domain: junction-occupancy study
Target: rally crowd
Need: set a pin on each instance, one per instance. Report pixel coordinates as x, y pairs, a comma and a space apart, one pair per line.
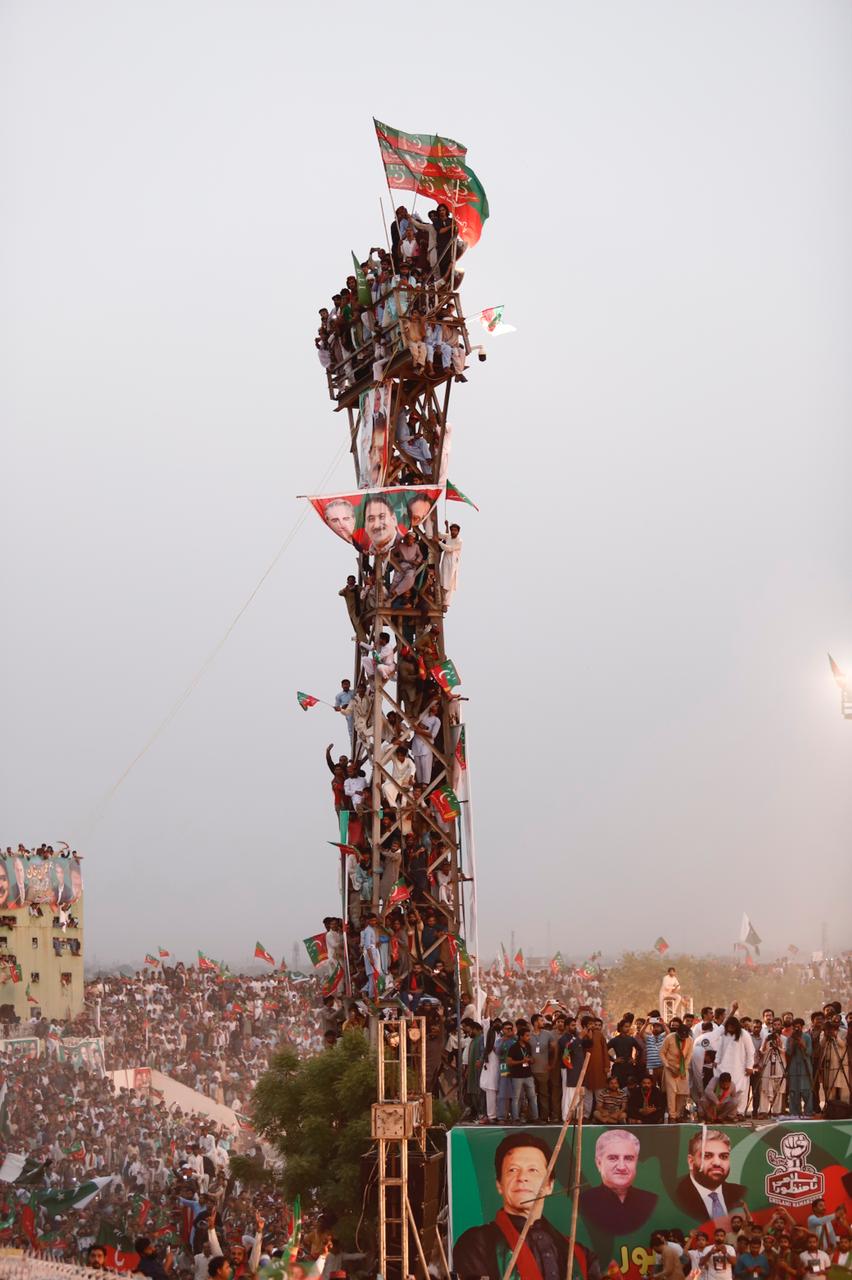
397, 298
716, 1066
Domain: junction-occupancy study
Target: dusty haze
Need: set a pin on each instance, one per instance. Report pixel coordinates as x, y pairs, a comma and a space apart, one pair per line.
660, 453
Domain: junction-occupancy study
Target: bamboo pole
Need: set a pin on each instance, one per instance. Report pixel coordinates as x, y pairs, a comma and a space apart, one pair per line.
551, 1165
575, 1193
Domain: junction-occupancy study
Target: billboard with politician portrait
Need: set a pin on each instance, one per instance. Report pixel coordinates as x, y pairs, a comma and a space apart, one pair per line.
373, 520
374, 415
633, 1181
33, 880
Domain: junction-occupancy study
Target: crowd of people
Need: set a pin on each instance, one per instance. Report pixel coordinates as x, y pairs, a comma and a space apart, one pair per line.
717, 1066
169, 1167
784, 1249
397, 299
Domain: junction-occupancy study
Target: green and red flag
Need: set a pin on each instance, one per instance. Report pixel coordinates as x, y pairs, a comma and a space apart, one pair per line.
317, 948
76, 1151
206, 964
345, 848
519, 960
163, 953
149, 959
305, 700
333, 981
661, 945
435, 167
491, 320
455, 495
16, 973
589, 969
260, 953
445, 675
457, 947
399, 893
30, 997
445, 802
556, 964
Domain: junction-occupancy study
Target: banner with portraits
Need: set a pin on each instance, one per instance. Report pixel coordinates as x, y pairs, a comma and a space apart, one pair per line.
84, 1053
373, 521
23, 1047
36, 881
635, 1180
374, 415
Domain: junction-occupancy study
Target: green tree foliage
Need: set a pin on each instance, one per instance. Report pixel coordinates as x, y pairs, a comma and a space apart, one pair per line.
634, 983
317, 1115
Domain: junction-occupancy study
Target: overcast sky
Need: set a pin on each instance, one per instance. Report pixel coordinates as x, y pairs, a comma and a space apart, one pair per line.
661, 455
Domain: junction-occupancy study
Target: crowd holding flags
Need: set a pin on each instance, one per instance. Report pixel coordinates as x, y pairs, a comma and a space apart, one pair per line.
435, 167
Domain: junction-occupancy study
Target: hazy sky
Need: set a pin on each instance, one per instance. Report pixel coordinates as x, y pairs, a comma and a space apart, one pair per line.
661, 455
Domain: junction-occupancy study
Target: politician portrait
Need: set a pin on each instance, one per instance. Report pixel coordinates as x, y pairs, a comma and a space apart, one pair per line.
616, 1206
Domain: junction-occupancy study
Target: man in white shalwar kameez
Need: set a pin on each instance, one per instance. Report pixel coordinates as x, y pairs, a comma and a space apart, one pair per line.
736, 1055
451, 545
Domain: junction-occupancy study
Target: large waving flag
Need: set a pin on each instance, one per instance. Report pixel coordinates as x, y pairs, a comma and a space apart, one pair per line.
749, 935
260, 953
435, 167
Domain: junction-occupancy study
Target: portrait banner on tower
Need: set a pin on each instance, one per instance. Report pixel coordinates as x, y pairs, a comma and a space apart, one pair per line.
374, 415
633, 1181
37, 880
374, 520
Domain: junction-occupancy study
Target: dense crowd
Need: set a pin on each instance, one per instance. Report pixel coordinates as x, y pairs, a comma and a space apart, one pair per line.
524, 1058
397, 298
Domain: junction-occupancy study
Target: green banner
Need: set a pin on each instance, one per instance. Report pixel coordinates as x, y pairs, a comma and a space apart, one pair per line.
633, 1181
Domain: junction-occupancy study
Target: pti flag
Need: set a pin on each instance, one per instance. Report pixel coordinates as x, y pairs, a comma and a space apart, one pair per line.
333, 981
399, 893
461, 748
456, 495
435, 167
206, 964
163, 953
661, 945
445, 802
305, 701
556, 965
519, 960
260, 953
149, 959
317, 948
445, 675
365, 297
491, 320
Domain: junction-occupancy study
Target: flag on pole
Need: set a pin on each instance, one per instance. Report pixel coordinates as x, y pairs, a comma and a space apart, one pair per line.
399, 893
661, 945
260, 953
507, 968
344, 848
749, 935
445, 675
556, 964
207, 965
491, 320
306, 701
457, 947
455, 495
163, 953
839, 675
365, 297
333, 981
317, 948
435, 167
149, 959
445, 802
519, 960
30, 997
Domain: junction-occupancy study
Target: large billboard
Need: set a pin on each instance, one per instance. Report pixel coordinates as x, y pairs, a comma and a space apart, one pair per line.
33, 880
634, 1180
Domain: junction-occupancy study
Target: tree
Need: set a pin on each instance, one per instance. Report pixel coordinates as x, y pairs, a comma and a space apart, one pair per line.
317, 1115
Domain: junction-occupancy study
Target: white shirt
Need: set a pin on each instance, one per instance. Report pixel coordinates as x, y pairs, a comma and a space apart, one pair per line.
422, 745
815, 1264
714, 1264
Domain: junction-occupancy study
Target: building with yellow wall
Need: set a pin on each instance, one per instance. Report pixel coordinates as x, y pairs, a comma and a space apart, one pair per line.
41, 934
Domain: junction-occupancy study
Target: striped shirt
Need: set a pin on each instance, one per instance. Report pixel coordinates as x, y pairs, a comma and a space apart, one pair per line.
652, 1050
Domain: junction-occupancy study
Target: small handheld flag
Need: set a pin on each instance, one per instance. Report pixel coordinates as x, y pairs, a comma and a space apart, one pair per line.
491, 320
519, 960
445, 802
305, 701
161, 951
333, 981
317, 948
445, 675
260, 953
456, 495
399, 893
